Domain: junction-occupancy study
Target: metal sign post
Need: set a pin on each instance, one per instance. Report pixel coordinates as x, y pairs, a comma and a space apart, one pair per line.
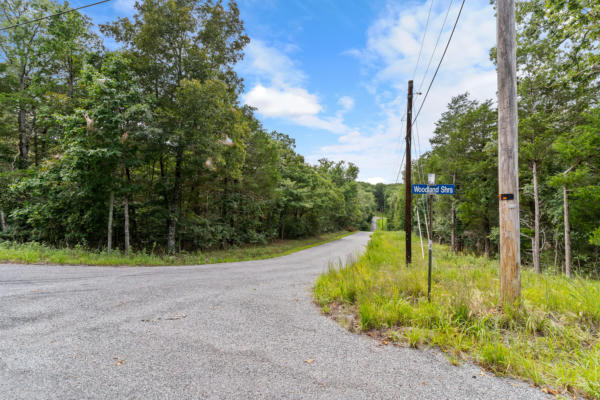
431, 182
431, 189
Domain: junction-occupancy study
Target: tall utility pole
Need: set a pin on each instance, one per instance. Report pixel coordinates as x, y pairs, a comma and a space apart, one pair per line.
407, 182
508, 168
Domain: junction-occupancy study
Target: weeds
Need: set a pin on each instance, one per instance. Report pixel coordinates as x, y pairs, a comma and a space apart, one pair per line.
35, 253
552, 338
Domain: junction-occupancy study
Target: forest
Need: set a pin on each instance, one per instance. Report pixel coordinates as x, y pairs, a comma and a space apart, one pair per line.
558, 66
148, 146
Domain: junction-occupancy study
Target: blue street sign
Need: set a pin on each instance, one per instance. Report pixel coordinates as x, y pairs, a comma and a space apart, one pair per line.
433, 189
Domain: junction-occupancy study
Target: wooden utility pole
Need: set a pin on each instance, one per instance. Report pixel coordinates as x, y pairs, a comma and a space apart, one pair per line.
407, 181
508, 172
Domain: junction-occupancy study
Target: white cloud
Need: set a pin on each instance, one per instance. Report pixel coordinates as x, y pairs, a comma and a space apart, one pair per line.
271, 64
283, 102
388, 61
375, 180
393, 46
349, 137
347, 103
279, 90
376, 154
331, 124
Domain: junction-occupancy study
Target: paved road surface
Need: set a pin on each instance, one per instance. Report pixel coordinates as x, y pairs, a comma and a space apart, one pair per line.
374, 223
225, 331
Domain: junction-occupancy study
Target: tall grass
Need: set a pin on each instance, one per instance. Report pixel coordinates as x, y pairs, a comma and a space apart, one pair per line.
382, 222
35, 253
552, 338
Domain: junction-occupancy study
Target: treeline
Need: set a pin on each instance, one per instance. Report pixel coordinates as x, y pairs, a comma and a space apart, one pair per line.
149, 147
559, 147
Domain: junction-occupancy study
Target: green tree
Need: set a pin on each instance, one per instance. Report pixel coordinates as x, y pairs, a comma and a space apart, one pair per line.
26, 62
579, 150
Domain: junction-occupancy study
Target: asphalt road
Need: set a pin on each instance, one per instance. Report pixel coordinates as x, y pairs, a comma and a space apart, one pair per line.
225, 331
374, 223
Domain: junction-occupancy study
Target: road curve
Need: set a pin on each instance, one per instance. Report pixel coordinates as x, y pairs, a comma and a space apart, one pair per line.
226, 331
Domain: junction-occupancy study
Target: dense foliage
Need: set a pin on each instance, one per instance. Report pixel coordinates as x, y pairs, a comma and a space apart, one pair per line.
149, 146
558, 60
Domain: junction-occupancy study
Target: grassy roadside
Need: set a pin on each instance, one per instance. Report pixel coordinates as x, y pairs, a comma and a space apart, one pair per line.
34, 253
381, 222
552, 339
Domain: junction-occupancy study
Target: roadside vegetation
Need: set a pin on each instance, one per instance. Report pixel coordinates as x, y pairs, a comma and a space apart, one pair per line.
35, 253
552, 338
149, 144
382, 223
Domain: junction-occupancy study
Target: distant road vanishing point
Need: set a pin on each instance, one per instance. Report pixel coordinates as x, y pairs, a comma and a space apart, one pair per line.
245, 330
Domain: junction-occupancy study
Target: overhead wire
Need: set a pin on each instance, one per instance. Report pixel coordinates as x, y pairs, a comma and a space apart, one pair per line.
421, 173
53, 15
421, 169
437, 41
420, 166
440, 63
423, 38
403, 154
415, 71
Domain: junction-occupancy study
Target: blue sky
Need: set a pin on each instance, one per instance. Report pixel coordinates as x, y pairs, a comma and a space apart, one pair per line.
333, 73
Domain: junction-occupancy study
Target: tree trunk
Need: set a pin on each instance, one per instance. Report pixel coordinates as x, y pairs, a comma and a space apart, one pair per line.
133, 223
23, 140
111, 206
555, 250
71, 78
453, 217
165, 191
126, 223
567, 233
36, 159
32, 134
536, 223
175, 202
224, 200
2, 221
43, 143
22, 126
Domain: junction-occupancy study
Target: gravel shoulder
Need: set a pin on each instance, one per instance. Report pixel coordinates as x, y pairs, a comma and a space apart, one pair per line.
245, 330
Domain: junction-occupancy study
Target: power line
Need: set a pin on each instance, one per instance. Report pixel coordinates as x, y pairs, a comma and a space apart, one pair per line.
403, 154
53, 15
423, 38
437, 41
441, 59
400, 168
421, 173
420, 169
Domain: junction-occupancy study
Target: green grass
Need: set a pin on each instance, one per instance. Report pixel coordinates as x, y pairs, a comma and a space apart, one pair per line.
34, 253
552, 338
381, 222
